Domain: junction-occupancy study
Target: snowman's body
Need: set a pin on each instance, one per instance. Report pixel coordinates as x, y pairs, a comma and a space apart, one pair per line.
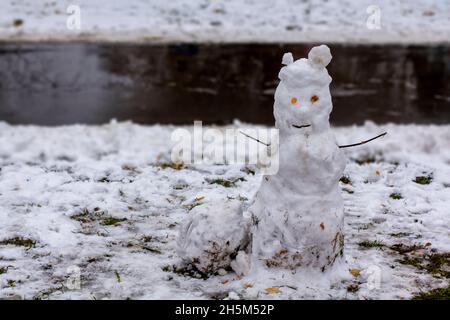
298, 213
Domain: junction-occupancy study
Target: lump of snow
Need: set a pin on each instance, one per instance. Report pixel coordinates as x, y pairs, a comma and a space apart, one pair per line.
320, 56
212, 235
241, 265
287, 59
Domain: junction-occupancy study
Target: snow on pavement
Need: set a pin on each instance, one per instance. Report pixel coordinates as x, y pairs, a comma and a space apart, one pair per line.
106, 199
287, 21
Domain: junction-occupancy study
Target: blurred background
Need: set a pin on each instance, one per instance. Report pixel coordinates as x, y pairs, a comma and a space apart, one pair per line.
65, 62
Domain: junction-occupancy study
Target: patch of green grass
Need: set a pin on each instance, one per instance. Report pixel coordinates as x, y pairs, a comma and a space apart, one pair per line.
423, 179
46, 293
3, 270
94, 259
345, 180
369, 158
404, 248
437, 264
86, 216
400, 234
19, 242
435, 294
111, 221
47, 266
188, 270
119, 280
180, 186
166, 268
396, 196
371, 244
147, 238
222, 182
415, 262
225, 182
11, 283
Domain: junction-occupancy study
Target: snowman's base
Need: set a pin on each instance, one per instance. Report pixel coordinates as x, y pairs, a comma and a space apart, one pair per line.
300, 279
292, 260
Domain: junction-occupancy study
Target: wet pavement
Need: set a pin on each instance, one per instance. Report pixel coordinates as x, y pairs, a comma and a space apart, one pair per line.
53, 84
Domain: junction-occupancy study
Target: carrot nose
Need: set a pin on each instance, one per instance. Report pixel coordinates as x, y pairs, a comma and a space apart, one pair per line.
293, 100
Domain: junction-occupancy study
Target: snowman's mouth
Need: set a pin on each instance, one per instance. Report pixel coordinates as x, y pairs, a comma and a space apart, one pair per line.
301, 126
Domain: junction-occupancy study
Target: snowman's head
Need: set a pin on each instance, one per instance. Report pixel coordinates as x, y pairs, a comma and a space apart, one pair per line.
303, 95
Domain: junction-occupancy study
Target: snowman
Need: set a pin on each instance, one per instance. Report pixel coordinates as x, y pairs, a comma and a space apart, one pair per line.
297, 215
296, 219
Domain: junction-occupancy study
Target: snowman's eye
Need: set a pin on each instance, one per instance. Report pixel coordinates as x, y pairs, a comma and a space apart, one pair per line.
293, 100
314, 98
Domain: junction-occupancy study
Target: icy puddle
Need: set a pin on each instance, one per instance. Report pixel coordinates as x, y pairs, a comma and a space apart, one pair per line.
105, 202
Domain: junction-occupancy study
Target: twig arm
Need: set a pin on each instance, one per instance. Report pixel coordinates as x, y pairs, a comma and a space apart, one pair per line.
343, 146
266, 144
363, 142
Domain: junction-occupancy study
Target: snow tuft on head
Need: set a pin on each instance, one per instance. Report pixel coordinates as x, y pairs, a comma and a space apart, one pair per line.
288, 58
320, 56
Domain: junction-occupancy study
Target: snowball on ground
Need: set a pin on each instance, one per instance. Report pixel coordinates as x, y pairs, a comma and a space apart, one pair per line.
212, 235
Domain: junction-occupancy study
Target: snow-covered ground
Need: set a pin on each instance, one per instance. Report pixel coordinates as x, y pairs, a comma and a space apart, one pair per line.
402, 21
106, 200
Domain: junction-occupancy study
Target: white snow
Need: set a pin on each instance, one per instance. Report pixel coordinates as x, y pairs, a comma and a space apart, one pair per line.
60, 187
402, 21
